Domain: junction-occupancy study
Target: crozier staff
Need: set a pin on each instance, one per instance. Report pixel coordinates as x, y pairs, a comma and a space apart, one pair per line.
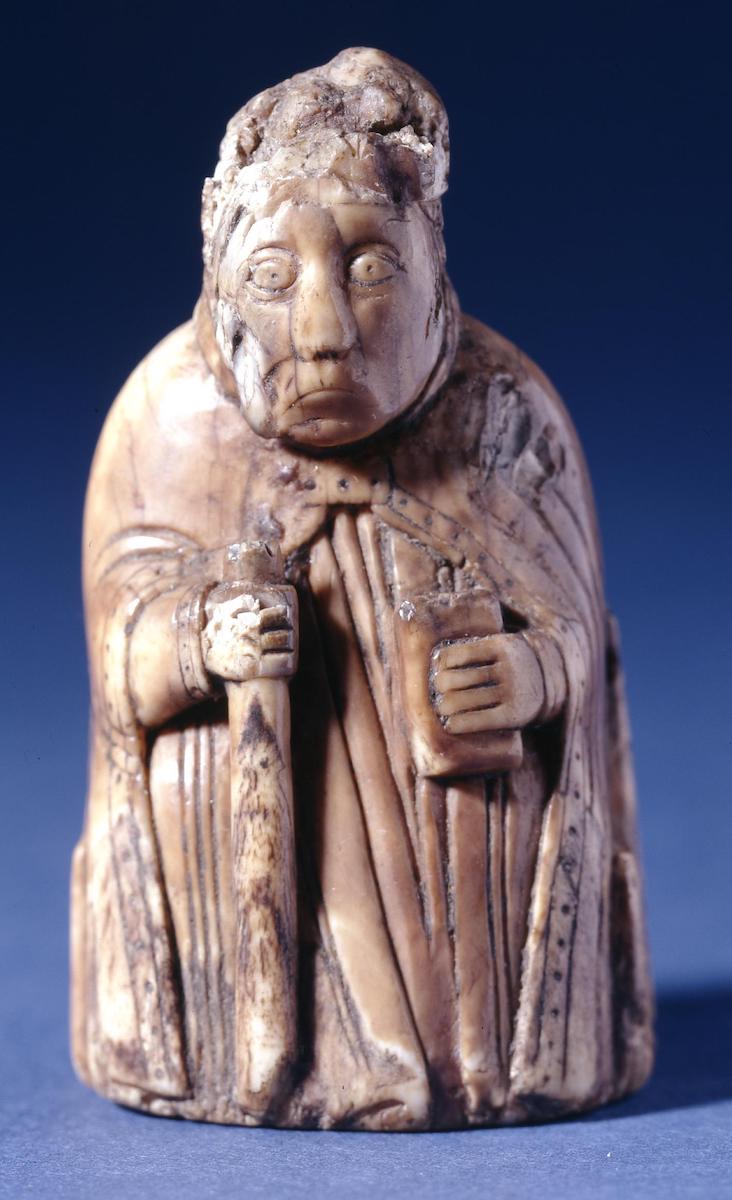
250, 642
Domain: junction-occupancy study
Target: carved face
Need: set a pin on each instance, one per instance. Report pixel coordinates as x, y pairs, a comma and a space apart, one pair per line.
329, 315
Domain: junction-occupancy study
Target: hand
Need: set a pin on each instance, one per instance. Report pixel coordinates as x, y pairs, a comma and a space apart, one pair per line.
250, 632
486, 683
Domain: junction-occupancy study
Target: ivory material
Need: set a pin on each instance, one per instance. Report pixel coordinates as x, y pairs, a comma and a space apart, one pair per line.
359, 848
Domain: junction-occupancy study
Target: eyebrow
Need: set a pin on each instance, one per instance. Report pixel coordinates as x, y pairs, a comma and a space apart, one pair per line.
371, 227
363, 244
373, 230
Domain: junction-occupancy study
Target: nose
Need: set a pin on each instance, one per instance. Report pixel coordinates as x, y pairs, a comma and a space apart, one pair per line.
323, 326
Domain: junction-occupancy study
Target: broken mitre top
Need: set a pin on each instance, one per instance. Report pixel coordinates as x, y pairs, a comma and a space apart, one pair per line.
364, 118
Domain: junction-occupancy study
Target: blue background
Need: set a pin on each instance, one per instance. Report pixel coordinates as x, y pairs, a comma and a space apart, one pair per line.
589, 219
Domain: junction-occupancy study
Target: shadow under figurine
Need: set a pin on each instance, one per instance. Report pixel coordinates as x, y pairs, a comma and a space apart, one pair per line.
359, 848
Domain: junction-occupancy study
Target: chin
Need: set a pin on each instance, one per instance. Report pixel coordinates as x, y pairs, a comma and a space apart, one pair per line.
323, 433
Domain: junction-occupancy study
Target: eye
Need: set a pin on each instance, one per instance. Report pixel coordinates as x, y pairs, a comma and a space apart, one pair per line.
371, 267
271, 274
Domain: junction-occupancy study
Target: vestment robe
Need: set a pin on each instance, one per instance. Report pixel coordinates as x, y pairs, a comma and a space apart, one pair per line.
470, 946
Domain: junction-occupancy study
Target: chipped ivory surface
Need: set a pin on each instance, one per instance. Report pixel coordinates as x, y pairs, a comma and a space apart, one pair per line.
359, 848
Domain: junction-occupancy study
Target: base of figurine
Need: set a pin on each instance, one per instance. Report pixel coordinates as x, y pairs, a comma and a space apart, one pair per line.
376, 1118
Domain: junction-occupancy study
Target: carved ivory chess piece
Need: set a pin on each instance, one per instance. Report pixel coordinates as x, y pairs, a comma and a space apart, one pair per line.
359, 849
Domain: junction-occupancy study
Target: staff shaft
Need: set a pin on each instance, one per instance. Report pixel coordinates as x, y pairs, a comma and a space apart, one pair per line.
263, 869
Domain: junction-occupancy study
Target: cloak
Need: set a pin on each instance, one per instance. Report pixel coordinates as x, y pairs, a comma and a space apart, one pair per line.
470, 940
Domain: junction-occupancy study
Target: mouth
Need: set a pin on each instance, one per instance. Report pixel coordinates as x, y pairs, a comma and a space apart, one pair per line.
323, 417
325, 400
325, 404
